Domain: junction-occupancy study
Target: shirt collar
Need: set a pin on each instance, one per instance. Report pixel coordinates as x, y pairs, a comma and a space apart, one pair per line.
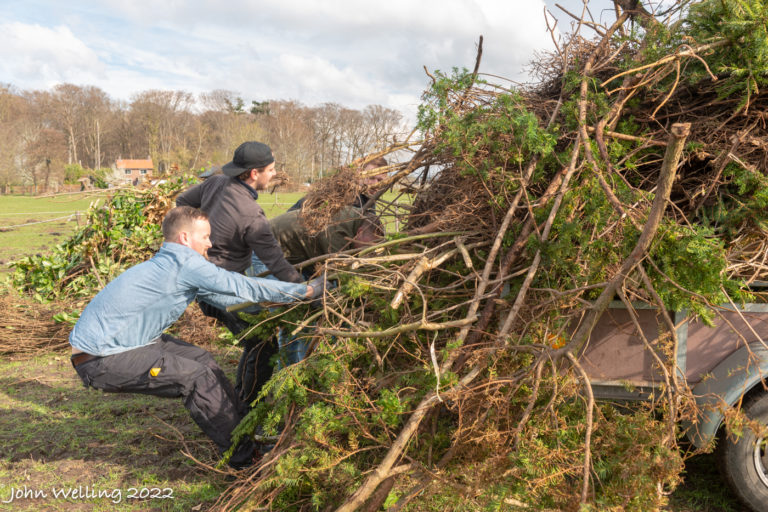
178, 248
249, 188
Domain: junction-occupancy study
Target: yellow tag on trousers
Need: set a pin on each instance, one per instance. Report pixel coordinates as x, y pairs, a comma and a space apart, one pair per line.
154, 371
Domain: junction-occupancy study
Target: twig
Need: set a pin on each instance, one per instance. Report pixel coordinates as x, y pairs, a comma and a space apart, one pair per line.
691, 52
420, 326
424, 265
630, 138
588, 426
96, 272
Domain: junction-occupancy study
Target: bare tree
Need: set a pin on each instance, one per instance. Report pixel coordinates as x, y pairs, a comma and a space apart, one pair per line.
291, 135
164, 118
355, 136
327, 124
40, 153
13, 110
222, 100
162, 125
225, 125
98, 113
382, 124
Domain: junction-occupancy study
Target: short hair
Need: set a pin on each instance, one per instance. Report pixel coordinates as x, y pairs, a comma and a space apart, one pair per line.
247, 174
179, 218
379, 161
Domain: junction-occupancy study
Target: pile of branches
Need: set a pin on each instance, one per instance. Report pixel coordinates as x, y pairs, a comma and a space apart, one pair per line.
30, 329
47, 292
124, 231
444, 368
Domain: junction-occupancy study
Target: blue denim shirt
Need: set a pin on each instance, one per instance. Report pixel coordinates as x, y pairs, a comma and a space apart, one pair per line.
136, 307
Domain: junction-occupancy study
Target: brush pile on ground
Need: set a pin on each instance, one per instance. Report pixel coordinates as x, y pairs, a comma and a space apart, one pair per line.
30, 328
123, 232
444, 369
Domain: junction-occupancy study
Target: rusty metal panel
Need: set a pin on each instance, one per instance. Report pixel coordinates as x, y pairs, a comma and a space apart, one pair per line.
615, 352
707, 346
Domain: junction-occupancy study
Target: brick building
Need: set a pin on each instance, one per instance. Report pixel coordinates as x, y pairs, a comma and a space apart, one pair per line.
133, 171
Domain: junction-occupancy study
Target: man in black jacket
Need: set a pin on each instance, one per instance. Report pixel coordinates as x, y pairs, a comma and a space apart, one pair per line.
238, 229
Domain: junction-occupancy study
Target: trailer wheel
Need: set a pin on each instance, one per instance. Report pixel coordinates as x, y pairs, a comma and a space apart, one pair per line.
744, 463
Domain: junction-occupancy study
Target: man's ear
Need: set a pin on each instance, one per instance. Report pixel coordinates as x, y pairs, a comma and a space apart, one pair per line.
183, 238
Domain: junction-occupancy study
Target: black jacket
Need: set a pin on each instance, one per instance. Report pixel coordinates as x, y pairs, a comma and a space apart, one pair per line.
238, 226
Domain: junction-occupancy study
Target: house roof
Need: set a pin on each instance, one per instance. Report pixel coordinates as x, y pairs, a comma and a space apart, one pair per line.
134, 164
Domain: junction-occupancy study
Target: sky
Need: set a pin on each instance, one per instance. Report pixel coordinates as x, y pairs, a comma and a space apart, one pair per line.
352, 52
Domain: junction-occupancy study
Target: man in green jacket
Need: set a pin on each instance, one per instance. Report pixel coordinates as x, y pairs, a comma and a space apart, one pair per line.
349, 229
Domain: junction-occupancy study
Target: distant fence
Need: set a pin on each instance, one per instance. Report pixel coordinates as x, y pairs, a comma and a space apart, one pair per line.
32, 190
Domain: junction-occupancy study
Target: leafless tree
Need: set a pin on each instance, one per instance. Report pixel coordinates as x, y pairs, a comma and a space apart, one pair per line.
164, 118
13, 109
291, 136
180, 132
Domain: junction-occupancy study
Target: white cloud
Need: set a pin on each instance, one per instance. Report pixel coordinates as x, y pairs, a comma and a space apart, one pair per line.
317, 79
352, 52
37, 57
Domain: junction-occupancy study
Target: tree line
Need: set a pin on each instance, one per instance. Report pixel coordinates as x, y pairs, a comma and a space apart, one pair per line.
57, 135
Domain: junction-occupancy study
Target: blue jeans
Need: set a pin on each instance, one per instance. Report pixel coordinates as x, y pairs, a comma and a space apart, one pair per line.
292, 348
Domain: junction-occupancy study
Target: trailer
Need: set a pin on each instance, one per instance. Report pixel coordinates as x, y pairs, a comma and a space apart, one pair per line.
725, 366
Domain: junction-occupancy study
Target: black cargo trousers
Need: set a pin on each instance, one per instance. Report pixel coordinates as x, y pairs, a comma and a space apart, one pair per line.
173, 368
255, 366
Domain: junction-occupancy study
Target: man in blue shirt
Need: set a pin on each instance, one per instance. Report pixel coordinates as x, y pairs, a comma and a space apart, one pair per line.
118, 343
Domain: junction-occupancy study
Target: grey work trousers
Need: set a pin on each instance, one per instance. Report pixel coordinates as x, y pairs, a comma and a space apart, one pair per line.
173, 368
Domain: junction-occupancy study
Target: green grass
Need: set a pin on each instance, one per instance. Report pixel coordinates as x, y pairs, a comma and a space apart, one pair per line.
703, 489
57, 435
275, 204
30, 225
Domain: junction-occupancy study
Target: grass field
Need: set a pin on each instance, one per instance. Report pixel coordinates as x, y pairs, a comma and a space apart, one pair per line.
116, 450
55, 434
31, 225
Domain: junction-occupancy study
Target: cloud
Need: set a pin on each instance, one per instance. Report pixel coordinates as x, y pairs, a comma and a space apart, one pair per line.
352, 52
397, 33
39, 57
